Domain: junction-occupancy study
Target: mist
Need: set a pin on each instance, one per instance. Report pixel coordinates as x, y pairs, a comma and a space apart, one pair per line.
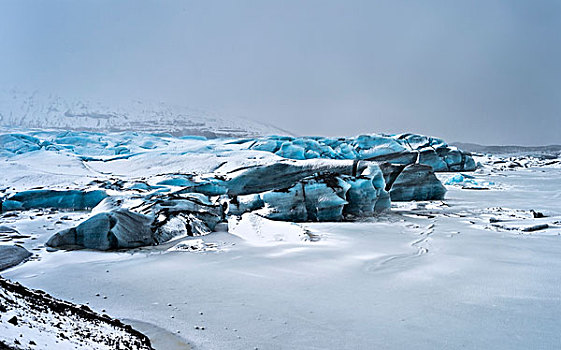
479, 71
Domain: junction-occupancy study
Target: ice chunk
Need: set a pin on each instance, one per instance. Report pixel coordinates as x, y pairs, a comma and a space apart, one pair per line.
431, 158
283, 174
467, 181
292, 151
11, 255
369, 146
322, 201
242, 204
417, 182
453, 158
182, 225
266, 145
383, 202
286, 205
456, 179
196, 204
402, 149
18, 143
120, 228
362, 197
70, 199
314, 193
310, 154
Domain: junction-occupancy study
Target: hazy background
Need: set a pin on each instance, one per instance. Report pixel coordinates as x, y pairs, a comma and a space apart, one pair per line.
482, 71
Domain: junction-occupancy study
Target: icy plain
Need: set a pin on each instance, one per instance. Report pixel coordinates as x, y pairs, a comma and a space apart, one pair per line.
462, 272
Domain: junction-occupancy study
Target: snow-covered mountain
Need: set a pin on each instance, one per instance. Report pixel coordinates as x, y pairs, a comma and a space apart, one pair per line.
35, 110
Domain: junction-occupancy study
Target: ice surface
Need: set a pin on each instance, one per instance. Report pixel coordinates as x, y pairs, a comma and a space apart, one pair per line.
257, 230
70, 199
424, 275
18, 143
402, 149
159, 170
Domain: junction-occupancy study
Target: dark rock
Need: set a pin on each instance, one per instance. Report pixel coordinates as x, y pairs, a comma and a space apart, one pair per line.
13, 320
535, 228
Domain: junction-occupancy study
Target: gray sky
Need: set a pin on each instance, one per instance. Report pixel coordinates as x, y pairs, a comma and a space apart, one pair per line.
482, 71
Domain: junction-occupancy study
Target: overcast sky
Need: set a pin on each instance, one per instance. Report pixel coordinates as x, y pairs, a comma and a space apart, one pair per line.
481, 71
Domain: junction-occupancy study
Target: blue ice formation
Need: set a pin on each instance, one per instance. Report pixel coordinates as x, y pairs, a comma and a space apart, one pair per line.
319, 190
402, 149
362, 197
12, 255
18, 144
155, 222
120, 228
286, 205
284, 174
467, 181
324, 198
181, 181
81, 143
313, 199
417, 182
310, 190
317, 179
69, 199
458, 179
243, 204
194, 204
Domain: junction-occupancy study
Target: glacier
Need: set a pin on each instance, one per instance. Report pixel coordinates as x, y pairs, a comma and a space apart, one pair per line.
397, 149
285, 178
299, 242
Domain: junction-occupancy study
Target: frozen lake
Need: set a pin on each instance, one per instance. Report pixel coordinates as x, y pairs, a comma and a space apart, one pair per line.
427, 275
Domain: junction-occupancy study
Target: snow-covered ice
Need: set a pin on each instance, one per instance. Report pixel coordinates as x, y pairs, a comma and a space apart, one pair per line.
425, 275
472, 268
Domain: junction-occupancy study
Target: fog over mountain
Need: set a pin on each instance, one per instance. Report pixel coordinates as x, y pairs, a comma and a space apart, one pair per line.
484, 72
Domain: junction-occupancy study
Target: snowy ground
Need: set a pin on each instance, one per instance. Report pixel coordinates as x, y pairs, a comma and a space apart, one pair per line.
458, 273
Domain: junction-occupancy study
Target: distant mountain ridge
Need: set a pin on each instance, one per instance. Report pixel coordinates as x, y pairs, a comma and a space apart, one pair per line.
35, 110
509, 149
